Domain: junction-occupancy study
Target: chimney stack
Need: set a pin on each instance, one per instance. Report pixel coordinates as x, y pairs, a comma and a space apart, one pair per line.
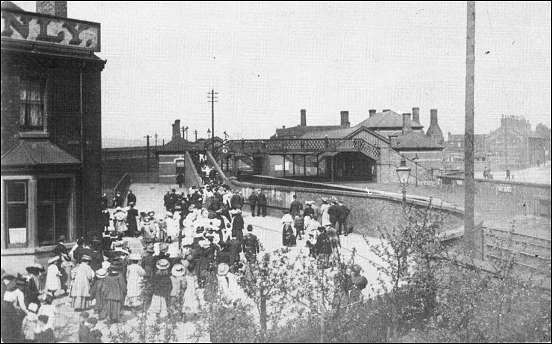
434, 131
303, 117
433, 117
53, 8
176, 130
345, 119
416, 114
407, 125
372, 112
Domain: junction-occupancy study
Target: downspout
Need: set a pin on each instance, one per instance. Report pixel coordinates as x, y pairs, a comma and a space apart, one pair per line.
82, 138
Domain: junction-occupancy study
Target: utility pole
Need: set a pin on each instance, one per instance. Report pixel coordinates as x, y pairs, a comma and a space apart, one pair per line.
155, 140
212, 100
469, 182
147, 155
195, 134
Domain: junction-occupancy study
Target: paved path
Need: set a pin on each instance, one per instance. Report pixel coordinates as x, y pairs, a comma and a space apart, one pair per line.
268, 230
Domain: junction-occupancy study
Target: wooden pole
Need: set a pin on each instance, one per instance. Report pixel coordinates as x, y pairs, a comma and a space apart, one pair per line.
469, 182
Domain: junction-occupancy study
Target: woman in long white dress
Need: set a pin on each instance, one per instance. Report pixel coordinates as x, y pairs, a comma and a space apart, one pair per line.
80, 288
135, 275
325, 217
190, 303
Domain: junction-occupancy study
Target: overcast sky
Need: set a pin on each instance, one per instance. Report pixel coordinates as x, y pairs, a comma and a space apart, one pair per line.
269, 60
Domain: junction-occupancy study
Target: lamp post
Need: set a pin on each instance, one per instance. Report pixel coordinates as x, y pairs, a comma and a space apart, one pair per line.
403, 172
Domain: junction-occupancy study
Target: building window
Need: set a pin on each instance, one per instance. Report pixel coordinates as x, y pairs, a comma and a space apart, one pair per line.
16, 213
31, 104
54, 199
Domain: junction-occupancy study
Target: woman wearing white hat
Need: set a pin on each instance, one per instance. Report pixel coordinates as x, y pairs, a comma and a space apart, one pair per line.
178, 286
80, 288
53, 276
135, 274
119, 218
227, 283
161, 286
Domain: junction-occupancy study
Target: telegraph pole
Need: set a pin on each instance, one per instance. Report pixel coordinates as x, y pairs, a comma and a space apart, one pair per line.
212, 100
147, 154
469, 191
155, 140
195, 134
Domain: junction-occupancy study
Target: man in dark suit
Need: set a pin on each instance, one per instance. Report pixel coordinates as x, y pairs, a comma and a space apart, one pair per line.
131, 198
261, 204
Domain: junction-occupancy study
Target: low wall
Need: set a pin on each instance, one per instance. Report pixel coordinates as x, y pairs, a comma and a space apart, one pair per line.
504, 197
191, 176
368, 211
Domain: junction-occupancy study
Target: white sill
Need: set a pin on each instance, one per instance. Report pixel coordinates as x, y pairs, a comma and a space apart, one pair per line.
33, 134
20, 251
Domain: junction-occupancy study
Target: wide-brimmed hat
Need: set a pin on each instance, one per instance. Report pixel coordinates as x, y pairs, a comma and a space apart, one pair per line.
20, 280
204, 244
178, 270
134, 256
222, 269
121, 250
235, 211
169, 214
162, 264
131, 203
85, 258
33, 307
151, 213
150, 248
53, 260
118, 209
101, 273
356, 268
36, 267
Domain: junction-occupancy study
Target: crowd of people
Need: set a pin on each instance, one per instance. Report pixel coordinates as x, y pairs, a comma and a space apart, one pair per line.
161, 264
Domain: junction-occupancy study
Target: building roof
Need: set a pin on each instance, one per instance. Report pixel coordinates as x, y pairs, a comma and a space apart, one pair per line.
8, 5
415, 141
387, 119
33, 152
330, 133
299, 131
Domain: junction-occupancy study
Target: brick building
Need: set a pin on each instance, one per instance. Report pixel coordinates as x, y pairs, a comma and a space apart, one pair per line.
369, 151
513, 145
51, 128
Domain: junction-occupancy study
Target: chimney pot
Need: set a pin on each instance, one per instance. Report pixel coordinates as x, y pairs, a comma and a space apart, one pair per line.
372, 112
416, 114
345, 119
407, 125
54, 8
303, 117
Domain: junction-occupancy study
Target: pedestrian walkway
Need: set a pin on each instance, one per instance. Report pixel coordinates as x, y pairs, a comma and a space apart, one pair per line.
269, 231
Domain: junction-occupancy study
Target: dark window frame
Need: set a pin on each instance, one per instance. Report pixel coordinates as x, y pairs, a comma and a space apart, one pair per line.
8, 204
30, 82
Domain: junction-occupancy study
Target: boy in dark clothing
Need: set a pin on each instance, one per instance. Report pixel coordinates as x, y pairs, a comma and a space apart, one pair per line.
84, 331
250, 245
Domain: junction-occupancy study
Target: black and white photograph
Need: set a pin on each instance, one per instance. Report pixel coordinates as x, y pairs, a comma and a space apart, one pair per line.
275, 172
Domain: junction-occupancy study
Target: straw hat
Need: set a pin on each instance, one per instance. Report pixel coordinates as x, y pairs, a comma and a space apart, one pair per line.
33, 307
86, 258
162, 264
178, 270
150, 248
101, 273
134, 256
53, 260
223, 269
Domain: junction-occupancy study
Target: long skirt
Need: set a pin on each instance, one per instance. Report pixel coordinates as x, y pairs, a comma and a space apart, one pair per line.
12, 319
133, 301
80, 302
113, 310
158, 306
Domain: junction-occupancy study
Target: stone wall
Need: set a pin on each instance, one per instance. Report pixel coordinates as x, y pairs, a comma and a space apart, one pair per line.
367, 211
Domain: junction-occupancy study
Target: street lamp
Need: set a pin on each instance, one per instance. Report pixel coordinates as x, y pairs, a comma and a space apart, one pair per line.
403, 172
